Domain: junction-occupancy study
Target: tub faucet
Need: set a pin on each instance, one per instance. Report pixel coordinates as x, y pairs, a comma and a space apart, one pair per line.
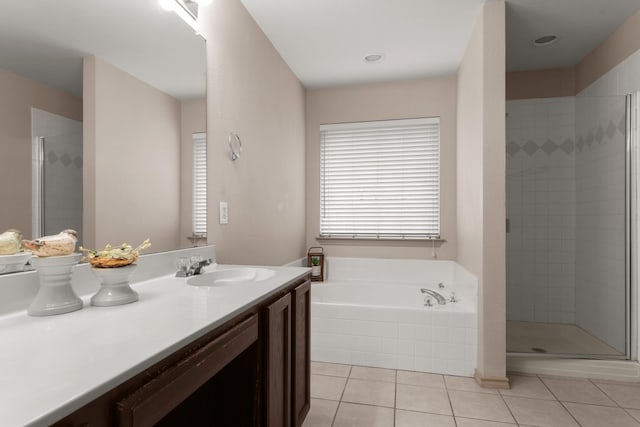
441, 300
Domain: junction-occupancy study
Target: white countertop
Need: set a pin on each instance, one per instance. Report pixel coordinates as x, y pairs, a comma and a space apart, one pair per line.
52, 366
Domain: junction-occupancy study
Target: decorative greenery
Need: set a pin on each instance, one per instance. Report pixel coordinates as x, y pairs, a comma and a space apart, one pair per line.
315, 261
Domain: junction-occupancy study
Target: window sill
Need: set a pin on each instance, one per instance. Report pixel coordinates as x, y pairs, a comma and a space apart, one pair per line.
197, 240
381, 241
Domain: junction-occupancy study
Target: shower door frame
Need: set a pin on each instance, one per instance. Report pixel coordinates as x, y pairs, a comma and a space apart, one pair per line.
632, 111
37, 186
632, 237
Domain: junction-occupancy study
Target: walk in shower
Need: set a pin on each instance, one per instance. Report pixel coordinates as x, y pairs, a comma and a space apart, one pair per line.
568, 208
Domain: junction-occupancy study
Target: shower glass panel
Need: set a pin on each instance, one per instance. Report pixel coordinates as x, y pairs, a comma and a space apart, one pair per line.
567, 284
59, 142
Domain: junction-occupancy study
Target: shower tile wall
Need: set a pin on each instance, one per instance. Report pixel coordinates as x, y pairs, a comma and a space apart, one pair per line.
600, 198
566, 202
600, 227
541, 210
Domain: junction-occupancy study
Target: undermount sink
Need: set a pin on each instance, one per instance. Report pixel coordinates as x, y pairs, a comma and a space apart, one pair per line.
231, 276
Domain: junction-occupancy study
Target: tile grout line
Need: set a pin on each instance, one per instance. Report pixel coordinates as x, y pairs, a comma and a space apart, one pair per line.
614, 401
605, 393
569, 412
395, 398
446, 389
626, 411
341, 394
558, 400
515, 420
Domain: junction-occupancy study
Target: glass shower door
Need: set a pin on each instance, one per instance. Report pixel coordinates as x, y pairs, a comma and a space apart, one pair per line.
567, 245
59, 173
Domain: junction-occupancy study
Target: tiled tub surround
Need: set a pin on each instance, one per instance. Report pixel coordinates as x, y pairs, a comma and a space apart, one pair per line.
371, 312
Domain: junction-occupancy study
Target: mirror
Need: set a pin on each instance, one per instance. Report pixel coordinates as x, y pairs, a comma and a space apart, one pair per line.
133, 75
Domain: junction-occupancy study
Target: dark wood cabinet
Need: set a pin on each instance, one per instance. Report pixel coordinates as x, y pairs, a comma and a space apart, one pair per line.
157, 398
253, 370
278, 363
300, 354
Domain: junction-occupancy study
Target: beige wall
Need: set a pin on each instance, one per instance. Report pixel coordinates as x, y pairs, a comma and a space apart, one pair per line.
481, 183
19, 95
623, 42
550, 83
193, 120
131, 160
569, 81
252, 91
381, 101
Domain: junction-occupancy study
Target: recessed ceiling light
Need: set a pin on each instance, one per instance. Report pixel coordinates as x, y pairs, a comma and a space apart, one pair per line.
545, 40
374, 57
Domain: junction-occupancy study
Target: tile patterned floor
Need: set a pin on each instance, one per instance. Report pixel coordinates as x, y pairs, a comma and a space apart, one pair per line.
354, 396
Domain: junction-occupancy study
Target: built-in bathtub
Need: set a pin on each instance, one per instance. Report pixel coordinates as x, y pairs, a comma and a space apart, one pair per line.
371, 312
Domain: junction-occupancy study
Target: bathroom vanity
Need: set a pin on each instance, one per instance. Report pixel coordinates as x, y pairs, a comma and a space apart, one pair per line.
229, 355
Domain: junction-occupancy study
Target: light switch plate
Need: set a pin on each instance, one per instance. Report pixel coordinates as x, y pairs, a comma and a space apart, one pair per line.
224, 213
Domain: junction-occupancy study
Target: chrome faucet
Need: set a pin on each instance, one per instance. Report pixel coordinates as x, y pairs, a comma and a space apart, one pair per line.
439, 298
186, 269
197, 267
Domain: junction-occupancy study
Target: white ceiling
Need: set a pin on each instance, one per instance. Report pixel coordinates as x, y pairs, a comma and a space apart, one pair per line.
580, 25
45, 40
324, 41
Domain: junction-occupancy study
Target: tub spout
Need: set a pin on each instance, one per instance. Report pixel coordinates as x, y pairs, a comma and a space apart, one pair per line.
441, 300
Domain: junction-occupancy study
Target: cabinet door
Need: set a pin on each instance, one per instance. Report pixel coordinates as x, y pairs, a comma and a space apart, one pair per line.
278, 363
300, 354
148, 404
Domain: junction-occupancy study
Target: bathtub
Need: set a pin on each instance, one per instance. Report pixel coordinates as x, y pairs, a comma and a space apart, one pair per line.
371, 312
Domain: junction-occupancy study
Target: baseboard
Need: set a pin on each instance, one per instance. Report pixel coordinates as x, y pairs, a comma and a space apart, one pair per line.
491, 382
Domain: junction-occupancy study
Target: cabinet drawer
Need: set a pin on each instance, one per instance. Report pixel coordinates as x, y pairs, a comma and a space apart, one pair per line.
158, 397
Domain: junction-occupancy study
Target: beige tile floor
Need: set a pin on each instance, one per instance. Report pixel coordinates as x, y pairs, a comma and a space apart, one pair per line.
354, 396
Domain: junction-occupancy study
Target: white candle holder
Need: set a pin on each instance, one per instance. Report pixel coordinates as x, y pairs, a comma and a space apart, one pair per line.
55, 295
115, 289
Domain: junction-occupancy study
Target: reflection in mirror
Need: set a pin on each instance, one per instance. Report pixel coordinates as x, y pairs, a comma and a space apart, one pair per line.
132, 75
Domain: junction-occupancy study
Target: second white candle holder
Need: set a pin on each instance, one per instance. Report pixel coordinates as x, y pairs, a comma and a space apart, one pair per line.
115, 289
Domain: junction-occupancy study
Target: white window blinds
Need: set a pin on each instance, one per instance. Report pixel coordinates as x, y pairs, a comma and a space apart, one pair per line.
380, 179
199, 184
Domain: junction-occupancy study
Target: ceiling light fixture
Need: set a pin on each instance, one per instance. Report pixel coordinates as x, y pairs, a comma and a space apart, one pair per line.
545, 40
374, 57
181, 10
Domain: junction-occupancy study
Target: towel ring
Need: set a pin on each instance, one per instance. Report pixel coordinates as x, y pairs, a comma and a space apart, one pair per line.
235, 145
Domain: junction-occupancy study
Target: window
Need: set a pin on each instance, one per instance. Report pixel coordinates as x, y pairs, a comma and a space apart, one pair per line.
380, 179
199, 184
